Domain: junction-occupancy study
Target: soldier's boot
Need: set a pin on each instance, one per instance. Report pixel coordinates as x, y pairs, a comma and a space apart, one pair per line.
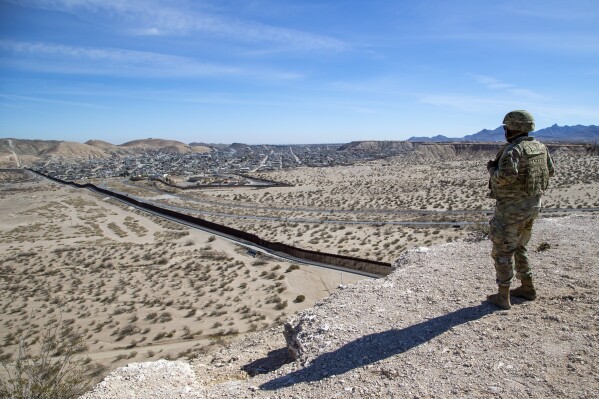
526, 290
502, 298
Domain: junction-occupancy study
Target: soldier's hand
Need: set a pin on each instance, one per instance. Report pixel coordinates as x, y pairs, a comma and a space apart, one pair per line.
492, 164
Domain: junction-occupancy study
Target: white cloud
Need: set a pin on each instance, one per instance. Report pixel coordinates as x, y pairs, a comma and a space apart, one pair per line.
491, 83
110, 61
154, 17
13, 98
496, 84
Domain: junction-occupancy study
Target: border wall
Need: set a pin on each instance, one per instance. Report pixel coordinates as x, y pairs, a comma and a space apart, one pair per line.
348, 262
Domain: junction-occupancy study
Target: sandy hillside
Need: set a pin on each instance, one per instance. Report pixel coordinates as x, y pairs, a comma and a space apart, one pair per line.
71, 149
134, 286
165, 145
422, 332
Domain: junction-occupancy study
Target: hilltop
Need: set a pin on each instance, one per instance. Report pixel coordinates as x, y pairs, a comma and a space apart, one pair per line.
420, 332
171, 146
31, 151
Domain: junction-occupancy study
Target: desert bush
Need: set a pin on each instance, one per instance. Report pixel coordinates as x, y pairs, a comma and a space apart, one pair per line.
299, 299
259, 262
292, 268
165, 317
544, 246
51, 372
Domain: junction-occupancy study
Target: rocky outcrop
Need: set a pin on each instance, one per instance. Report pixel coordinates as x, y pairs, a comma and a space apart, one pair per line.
163, 378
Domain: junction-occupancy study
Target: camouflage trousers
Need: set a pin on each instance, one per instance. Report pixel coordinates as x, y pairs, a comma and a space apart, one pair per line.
511, 229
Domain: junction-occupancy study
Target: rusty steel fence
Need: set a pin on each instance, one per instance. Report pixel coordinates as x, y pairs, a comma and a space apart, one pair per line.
348, 262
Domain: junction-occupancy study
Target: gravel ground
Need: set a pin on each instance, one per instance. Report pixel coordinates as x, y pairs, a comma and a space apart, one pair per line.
422, 332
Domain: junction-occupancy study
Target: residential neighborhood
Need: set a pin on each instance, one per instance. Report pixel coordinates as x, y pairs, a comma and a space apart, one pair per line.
222, 160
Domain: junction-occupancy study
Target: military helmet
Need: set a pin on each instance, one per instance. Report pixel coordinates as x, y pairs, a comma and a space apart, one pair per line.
519, 121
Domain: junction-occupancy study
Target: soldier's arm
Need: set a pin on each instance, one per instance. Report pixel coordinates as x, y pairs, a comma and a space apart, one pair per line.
506, 171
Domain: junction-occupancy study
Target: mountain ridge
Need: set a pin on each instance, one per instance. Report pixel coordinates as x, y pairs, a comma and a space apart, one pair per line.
567, 134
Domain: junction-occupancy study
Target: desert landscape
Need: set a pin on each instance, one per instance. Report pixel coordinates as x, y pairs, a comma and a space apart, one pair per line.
424, 331
134, 287
366, 209
290, 199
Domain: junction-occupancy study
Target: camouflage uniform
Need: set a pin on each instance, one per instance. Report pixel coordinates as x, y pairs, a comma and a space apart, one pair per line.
518, 178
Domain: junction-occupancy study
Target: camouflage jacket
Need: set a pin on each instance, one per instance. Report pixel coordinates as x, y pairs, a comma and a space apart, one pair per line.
523, 168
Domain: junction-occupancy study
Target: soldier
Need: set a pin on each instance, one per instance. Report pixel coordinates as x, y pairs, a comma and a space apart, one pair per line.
519, 175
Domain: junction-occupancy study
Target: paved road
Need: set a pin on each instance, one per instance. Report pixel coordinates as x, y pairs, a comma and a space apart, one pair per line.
300, 209
263, 162
329, 212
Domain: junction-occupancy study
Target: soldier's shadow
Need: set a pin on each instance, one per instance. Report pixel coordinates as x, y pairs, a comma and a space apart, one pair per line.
374, 347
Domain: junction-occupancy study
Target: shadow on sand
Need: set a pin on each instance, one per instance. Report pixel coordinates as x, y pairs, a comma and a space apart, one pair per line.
374, 347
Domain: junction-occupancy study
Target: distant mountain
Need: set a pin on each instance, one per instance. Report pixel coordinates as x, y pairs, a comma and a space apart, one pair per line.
486, 135
570, 133
436, 139
578, 133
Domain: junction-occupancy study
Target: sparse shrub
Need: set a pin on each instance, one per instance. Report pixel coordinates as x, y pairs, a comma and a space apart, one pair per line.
151, 316
292, 268
165, 317
259, 262
299, 299
52, 372
161, 335
544, 246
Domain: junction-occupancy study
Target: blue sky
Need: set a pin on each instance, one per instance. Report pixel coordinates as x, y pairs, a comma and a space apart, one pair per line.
302, 71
